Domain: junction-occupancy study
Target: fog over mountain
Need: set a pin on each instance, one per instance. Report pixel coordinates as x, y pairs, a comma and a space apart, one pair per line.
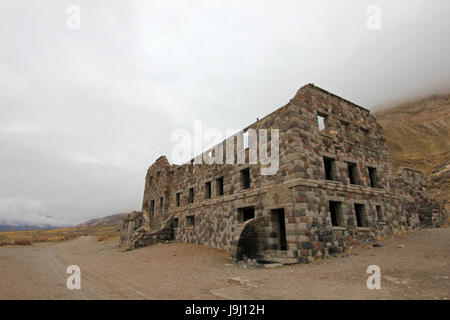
84, 112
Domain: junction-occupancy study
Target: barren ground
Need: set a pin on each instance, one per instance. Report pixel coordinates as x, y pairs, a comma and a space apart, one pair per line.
419, 270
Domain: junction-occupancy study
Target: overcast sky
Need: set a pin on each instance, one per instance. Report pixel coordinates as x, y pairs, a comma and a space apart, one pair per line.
84, 112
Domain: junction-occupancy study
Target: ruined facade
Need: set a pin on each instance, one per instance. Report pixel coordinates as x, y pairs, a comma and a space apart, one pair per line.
334, 189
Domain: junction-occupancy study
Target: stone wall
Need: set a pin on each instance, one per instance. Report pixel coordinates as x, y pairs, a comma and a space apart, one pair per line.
131, 222
429, 208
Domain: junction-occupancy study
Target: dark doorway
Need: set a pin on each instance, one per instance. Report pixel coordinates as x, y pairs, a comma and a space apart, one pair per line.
174, 229
250, 241
360, 218
279, 227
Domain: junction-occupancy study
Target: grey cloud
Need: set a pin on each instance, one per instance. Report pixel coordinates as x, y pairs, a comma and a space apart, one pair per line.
84, 113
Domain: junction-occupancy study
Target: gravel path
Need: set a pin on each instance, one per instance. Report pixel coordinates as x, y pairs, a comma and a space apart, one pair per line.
413, 266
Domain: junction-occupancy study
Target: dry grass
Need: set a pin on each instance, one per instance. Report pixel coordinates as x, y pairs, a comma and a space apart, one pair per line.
23, 242
29, 237
107, 236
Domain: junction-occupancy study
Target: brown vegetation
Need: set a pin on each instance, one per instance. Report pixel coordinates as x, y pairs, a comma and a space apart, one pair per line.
29, 237
23, 242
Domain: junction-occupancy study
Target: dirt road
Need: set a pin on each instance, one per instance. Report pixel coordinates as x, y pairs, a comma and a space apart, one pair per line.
417, 269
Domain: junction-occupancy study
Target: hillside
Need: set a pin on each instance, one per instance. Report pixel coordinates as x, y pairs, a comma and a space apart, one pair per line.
112, 220
417, 136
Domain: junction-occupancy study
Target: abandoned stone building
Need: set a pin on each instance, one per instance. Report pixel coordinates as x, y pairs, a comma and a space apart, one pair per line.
334, 189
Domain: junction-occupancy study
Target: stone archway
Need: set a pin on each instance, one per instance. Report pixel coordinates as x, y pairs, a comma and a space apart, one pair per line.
249, 239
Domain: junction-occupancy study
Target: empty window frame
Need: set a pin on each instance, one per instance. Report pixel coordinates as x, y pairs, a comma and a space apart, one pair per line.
175, 223
346, 128
208, 190
219, 186
178, 199
353, 173
360, 213
245, 178
330, 168
373, 178
322, 121
191, 195
245, 140
245, 214
336, 213
380, 213
152, 207
190, 221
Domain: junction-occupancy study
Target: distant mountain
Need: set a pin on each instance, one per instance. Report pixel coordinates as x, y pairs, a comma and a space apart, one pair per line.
418, 136
108, 221
112, 220
6, 227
